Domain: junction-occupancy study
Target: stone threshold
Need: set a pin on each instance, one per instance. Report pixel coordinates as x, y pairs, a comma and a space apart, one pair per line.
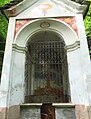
66, 105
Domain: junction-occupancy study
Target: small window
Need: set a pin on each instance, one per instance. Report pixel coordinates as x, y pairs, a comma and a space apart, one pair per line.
46, 70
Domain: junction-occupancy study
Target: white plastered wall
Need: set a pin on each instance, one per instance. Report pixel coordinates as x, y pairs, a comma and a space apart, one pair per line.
6, 71
85, 58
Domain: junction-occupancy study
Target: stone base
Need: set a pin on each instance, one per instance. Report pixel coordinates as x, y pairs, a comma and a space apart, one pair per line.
89, 112
65, 113
11, 113
83, 112
3, 113
30, 112
14, 112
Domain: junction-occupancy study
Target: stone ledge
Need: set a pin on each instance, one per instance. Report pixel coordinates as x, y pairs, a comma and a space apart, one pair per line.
30, 104
82, 112
68, 105
13, 112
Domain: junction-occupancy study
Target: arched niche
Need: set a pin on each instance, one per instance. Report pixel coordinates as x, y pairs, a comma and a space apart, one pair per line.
46, 69
69, 35
72, 45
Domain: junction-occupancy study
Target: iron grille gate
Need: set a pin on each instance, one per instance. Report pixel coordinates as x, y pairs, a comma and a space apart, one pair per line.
44, 72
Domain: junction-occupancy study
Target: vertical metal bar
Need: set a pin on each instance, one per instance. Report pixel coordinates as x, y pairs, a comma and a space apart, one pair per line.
52, 59
47, 66
62, 65
31, 80
29, 87
26, 75
43, 48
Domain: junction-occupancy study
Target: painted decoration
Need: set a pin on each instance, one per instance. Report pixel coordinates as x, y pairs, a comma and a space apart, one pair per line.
19, 24
43, 9
45, 6
71, 21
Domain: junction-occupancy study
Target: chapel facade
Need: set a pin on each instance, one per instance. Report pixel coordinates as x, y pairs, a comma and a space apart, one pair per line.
47, 69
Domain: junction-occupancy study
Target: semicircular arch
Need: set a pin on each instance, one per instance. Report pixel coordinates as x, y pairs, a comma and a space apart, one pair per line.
57, 26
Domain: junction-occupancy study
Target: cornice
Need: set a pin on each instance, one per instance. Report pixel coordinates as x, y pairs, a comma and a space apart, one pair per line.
14, 10
16, 7
72, 6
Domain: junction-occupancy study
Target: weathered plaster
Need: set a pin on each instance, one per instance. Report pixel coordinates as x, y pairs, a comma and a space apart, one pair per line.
77, 82
17, 79
4, 86
85, 58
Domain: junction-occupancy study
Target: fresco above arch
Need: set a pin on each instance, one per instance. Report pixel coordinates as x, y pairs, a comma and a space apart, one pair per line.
71, 21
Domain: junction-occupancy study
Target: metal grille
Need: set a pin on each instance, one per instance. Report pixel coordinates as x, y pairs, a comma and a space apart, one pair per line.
44, 71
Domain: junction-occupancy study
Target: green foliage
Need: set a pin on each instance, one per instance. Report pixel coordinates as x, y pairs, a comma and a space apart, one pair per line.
3, 26
3, 21
87, 22
3, 2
